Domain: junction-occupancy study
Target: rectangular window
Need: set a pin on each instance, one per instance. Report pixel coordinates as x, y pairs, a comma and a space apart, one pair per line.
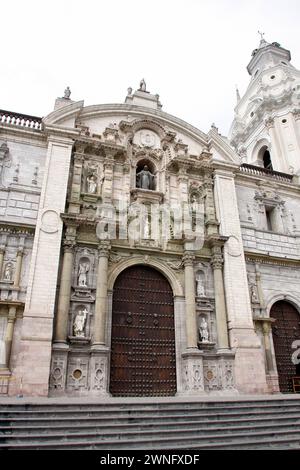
270, 219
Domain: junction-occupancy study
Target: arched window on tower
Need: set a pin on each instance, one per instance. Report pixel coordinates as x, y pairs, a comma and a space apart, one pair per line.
264, 158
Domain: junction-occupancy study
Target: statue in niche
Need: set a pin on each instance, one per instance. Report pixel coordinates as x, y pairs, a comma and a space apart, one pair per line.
82, 274
145, 179
200, 285
92, 182
195, 208
8, 272
142, 85
254, 297
79, 323
203, 331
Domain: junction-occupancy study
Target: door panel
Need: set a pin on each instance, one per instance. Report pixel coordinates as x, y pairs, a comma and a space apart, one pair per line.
143, 335
285, 330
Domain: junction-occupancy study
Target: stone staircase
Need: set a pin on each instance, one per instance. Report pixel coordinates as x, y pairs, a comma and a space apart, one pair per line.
157, 424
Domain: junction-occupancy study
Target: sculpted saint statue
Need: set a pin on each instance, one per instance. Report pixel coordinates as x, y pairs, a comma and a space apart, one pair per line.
203, 330
142, 85
79, 323
254, 297
8, 272
145, 179
92, 183
82, 274
67, 93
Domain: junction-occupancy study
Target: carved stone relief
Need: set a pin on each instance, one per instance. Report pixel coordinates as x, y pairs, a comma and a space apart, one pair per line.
58, 372
77, 375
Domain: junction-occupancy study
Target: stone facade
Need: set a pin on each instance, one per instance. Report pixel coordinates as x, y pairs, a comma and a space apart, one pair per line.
71, 186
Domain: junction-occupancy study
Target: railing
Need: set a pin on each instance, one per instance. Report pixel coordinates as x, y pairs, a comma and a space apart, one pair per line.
260, 171
20, 120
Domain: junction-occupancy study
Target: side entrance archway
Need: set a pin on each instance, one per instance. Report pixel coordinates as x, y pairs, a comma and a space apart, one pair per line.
143, 335
285, 330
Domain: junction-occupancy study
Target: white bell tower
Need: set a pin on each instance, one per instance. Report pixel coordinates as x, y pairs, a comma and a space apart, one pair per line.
266, 127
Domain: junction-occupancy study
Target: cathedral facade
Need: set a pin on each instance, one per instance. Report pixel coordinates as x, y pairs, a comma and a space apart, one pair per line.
142, 257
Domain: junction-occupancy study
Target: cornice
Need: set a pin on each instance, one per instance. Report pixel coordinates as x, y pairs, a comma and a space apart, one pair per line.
140, 112
62, 114
271, 260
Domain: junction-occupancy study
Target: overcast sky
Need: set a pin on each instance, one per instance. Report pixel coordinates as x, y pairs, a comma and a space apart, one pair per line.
190, 52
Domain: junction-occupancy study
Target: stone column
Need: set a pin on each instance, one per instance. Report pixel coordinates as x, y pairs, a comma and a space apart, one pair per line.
18, 267
220, 302
2, 251
190, 302
9, 332
259, 286
101, 295
61, 328
266, 328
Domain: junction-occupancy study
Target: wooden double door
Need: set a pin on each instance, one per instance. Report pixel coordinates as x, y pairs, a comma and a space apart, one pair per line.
285, 330
143, 335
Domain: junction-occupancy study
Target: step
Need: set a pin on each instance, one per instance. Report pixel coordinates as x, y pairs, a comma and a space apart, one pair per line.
150, 434
142, 425
181, 442
146, 412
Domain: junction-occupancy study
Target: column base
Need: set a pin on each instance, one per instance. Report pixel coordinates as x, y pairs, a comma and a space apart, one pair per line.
5, 376
58, 370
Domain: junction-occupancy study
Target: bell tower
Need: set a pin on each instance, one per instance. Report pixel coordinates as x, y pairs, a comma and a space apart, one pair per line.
266, 126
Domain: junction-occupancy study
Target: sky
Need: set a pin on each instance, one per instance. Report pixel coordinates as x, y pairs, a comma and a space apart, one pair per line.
191, 52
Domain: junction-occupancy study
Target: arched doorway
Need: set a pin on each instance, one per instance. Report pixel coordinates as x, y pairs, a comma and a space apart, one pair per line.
285, 330
143, 335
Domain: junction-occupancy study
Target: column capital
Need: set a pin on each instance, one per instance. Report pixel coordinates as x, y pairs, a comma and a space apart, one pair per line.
12, 312
188, 259
68, 246
266, 327
104, 248
20, 251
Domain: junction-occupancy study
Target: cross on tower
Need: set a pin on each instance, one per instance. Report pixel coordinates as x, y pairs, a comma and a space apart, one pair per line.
261, 35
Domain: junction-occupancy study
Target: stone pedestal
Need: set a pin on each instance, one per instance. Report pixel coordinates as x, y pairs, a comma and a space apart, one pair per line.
58, 372
219, 376
99, 372
192, 372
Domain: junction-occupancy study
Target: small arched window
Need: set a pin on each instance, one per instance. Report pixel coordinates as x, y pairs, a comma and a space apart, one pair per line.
267, 160
264, 158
